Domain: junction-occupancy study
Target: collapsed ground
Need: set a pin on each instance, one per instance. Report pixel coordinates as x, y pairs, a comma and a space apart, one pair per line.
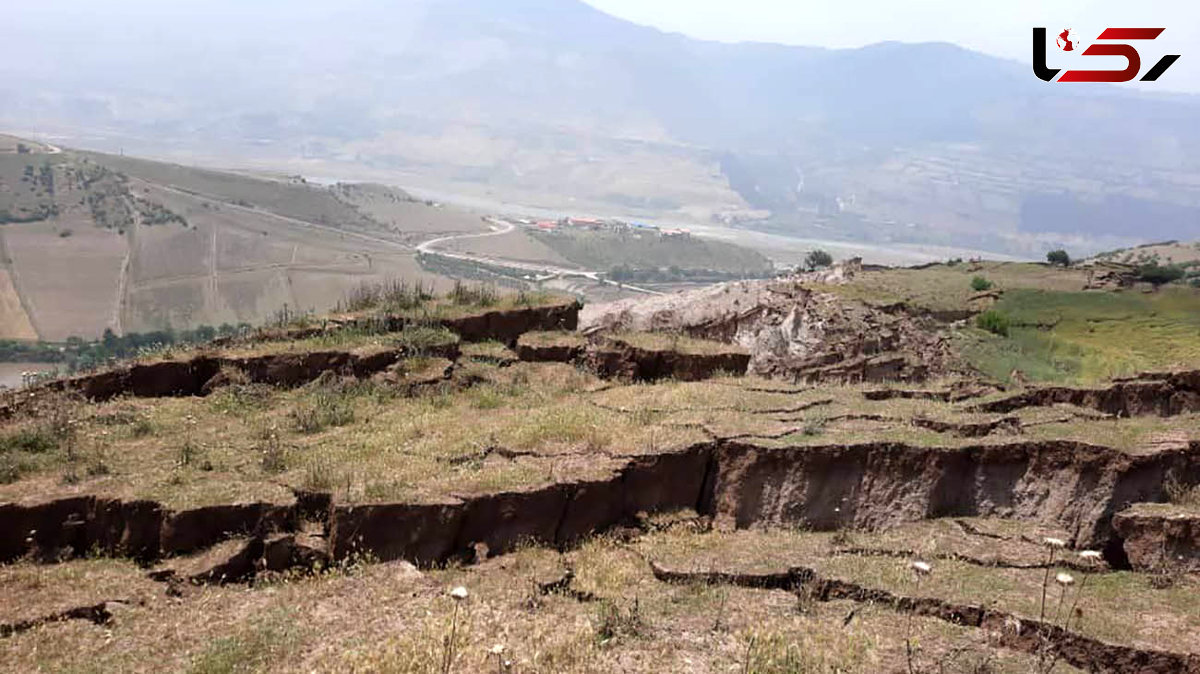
613, 501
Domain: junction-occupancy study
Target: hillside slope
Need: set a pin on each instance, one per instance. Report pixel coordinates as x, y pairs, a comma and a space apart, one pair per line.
92, 242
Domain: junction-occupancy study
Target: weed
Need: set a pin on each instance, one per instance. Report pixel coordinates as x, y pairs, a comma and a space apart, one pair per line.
320, 476
274, 456
241, 398
98, 463
11, 468
423, 340
920, 570
479, 295
613, 622
326, 409
1179, 493
188, 453
30, 441
458, 595
250, 650
783, 653
141, 428
815, 425
980, 284
391, 295
993, 321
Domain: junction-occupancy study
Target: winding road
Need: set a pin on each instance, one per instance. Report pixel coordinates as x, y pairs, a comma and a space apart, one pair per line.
499, 228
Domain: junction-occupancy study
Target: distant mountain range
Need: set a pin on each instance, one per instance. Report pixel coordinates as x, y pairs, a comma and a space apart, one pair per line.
553, 103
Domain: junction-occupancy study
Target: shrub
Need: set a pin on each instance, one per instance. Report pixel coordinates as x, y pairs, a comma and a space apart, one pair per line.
980, 284
30, 441
817, 259
1158, 275
993, 321
1059, 257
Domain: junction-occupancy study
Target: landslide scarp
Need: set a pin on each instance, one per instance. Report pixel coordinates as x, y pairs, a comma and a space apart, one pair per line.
464, 459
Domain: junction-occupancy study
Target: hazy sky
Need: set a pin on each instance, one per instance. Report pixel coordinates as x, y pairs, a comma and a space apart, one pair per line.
998, 27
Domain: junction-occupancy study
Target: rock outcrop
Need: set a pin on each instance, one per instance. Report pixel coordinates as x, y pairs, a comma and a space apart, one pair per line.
790, 331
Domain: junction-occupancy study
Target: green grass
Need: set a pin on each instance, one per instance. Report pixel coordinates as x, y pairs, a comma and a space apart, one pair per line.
649, 250
249, 650
942, 288
1088, 337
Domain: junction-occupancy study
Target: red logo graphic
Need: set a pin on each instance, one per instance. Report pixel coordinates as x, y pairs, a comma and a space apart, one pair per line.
1067, 42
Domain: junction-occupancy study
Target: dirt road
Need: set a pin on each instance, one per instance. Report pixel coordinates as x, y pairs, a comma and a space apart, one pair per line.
500, 227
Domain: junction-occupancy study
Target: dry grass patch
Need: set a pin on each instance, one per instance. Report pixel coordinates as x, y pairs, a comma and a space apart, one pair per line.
673, 341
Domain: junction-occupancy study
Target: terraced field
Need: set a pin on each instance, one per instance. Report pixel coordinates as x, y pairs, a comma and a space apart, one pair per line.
91, 241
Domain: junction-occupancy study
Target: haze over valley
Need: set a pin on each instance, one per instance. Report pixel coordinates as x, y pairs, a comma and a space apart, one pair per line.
553, 104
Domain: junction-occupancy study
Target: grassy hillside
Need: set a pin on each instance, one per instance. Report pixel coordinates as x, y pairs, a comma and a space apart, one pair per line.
603, 250
948, 287
1047, 327
341, 516
90, 242
1088, 337
310, 203
1184, 253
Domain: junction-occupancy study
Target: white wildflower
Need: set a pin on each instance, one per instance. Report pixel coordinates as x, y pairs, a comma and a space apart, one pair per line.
921, 568
1055, 542
498, 649
459, 593
1064, 579
1090, 555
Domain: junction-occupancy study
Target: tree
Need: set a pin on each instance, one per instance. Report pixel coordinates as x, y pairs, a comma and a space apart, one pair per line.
1059, 257
818, 259
1159, 275
980, 284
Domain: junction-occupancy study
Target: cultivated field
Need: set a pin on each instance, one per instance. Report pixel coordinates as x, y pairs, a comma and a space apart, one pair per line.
133, 245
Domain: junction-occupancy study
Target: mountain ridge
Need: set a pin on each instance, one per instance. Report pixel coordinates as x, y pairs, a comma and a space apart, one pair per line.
556, 103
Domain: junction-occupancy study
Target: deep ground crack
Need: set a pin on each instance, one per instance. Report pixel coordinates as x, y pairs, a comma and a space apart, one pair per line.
1011, 631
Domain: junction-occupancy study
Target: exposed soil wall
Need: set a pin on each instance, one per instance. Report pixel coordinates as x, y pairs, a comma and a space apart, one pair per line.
506, 326
549, 353
1165, 394
1070, 485
611, 358
196, 376
142, 530
1160, 539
